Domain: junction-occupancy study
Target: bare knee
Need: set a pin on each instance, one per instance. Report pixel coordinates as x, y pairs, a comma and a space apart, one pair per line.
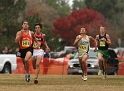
25, 60
100, 60
105, 61
83, 61
37, 65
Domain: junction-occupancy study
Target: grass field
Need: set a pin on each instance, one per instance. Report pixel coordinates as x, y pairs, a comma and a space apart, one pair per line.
16, 82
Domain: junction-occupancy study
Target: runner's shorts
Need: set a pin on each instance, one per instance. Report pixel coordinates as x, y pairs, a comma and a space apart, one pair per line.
104, 52
38, 52
24, 51
81, 54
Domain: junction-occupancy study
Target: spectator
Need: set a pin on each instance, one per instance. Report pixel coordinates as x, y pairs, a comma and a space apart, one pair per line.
10, 51
47, 54
5, 50
17, 52
46, 61
72, 55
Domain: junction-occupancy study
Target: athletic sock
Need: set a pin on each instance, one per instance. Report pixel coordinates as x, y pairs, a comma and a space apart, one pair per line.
105, 73
101, 68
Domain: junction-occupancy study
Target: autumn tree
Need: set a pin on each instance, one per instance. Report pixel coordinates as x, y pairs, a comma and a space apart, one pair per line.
114, 11
69, 27
111, 9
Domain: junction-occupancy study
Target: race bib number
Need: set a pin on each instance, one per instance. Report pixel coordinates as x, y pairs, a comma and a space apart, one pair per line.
36, 45
25, 43
82, 47
102, 43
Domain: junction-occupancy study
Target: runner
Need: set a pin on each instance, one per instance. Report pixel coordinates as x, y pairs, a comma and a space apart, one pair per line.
82, 42
38, 53
24, 38
103, 42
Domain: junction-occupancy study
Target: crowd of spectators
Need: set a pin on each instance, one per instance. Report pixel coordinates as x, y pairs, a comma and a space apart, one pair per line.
9, 50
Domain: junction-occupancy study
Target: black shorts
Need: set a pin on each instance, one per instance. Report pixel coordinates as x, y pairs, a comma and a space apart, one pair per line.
24, 51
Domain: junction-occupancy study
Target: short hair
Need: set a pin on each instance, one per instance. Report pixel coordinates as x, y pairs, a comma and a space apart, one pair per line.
84, 27
24, 21
38, 24
103, 26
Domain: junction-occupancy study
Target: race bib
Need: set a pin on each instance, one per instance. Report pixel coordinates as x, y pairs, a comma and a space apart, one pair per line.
102, 43
36, 45
25, 43
82, 47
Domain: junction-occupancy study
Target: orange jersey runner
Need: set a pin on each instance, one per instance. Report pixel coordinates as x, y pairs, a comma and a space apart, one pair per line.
25, 41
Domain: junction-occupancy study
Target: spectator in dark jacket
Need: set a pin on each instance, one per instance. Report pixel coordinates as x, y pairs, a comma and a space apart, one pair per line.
46, 61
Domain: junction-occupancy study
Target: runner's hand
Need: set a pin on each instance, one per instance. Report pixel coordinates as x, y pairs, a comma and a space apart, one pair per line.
48, 48
104, 39
95, 49
80, 37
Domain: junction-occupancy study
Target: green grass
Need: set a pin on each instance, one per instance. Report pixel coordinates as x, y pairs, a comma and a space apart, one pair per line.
16, 82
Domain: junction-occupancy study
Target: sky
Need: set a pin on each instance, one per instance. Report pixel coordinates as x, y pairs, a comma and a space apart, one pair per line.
70, 2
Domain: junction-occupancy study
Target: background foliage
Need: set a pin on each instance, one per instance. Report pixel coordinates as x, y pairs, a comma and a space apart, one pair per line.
61, 21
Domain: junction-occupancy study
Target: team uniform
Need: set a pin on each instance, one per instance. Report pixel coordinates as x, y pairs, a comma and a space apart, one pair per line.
83, 47
25, 44
103, 46
38, 51
103, 49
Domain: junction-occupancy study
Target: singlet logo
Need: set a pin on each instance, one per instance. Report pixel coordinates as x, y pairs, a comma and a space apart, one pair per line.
83, 45
35, 45
84, 42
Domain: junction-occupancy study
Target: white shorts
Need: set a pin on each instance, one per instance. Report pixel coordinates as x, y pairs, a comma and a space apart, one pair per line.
38, 52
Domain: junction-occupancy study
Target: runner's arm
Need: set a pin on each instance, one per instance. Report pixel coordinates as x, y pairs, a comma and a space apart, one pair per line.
108, 41
45, 43
97, 39
18, 36
76, 40
34, 38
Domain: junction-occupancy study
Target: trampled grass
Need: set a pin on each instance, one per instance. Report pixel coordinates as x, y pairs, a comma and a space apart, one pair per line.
16, 82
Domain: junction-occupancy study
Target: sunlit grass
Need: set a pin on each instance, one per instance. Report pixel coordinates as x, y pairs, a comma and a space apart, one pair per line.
16, 82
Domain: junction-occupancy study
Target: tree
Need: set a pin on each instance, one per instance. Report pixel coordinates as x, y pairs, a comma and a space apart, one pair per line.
111, 9
43, 11
78, 4
54, 43
44, 14
61, 6
69, 27
9, 12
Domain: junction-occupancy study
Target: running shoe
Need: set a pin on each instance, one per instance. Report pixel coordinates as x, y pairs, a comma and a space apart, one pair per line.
105, 75
35, 81
27, 77
100, 72
85, 78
